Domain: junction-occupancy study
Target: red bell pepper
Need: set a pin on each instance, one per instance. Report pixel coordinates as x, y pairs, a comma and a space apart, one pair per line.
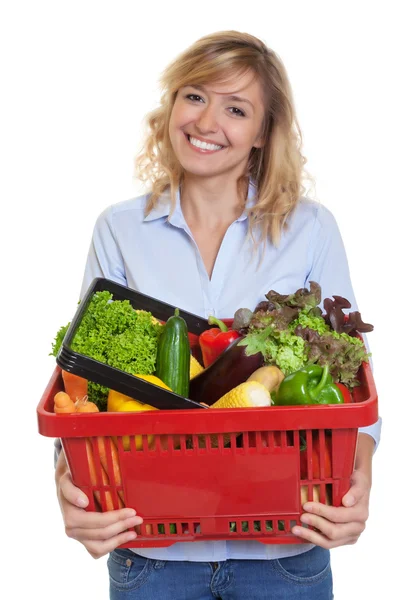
347, 396
215, 340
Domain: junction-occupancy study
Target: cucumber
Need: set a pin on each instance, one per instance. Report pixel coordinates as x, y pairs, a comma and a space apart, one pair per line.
173, 355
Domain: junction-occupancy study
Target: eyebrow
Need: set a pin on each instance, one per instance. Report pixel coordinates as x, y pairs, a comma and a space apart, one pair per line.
231, 97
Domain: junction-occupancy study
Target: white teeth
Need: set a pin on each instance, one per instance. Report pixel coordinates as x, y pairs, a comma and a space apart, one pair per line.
203, 145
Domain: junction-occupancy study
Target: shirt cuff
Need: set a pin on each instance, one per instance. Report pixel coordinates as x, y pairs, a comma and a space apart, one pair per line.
374, 431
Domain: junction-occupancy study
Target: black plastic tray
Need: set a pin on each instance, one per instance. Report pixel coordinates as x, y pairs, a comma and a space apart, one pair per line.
115, 379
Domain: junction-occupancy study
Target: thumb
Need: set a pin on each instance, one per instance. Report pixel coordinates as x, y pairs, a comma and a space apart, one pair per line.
71, 493
356, 491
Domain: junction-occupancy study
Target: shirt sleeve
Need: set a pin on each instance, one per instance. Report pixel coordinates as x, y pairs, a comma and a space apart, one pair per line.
328, 266
104, 258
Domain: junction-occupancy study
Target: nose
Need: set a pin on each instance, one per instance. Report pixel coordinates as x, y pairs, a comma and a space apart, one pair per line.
207, 121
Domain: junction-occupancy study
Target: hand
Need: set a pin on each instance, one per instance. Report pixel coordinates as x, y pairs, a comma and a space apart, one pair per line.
100, 533
338, 526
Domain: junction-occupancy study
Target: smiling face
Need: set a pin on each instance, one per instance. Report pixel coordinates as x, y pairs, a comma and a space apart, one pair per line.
214, 127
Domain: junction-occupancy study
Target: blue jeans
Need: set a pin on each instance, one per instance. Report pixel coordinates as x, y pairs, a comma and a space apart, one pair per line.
306, 576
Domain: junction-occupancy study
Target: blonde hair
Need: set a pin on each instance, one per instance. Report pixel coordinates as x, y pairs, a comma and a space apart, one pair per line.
276, 168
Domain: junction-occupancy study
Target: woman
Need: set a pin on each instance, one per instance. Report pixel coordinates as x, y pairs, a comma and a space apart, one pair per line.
224, 223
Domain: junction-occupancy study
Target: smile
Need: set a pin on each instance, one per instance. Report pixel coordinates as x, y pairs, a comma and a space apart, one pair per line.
203, 146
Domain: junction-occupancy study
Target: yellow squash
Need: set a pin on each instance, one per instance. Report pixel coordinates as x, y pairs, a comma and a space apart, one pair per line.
118, 402
195, 368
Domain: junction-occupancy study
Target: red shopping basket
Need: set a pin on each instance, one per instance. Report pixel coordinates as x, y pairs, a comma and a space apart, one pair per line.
219, 474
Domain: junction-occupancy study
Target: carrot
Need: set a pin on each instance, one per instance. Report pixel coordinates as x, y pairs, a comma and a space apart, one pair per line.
114, 466
63, 403
109, 505
75, 386
83, 405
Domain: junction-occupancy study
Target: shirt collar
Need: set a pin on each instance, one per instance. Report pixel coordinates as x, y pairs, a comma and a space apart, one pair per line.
162, 207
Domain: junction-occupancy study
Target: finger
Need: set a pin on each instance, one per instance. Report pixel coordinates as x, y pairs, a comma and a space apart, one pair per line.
336, 514
314, 537
71, 493
333, 531
82, 519
358, 490
103, 533
97, 549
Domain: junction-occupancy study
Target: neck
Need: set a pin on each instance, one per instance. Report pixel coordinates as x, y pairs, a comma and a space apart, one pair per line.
211, 202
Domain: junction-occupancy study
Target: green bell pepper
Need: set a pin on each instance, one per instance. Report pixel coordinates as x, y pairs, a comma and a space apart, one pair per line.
310, 385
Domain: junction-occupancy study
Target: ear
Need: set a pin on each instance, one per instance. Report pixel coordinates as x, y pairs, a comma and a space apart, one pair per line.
259, 143
260, 140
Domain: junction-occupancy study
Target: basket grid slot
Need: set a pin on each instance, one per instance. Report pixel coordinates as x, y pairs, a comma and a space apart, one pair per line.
266, 526
170, 528
184, 444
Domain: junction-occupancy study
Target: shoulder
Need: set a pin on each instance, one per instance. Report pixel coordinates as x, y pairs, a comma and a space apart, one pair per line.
312, 218
122, 216
133, 208
312, 210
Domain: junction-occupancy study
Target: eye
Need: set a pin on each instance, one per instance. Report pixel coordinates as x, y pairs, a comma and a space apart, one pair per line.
193, 97
236, 111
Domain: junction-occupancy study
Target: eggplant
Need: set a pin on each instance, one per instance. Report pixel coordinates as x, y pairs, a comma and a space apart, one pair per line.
230, 369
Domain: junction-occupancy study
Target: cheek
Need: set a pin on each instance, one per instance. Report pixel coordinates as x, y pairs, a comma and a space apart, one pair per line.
174, 127
181, 116
243, 137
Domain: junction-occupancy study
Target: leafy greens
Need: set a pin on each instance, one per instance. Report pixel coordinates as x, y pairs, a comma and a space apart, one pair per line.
291, 331
113, 332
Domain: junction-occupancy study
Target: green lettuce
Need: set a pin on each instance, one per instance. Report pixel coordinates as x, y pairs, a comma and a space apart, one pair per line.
114, 333
291, 331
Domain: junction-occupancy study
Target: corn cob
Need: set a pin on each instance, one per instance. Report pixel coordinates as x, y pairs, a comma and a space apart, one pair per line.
247, 395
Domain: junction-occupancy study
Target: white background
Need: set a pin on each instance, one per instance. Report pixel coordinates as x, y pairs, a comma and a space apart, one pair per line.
77, 79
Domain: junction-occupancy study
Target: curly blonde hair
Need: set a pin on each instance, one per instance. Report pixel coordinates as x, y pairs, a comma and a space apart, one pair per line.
276, 168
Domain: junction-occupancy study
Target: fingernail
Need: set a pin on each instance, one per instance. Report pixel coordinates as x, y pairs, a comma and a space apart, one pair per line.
130, 513
296, 530
82, 501
308, 507
305, 519
349, 500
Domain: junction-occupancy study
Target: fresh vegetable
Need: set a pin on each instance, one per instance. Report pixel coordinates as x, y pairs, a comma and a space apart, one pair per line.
173, 355
347, 396
118, 402
113, 332
111, 465
305, 494
310, 385
154, 380
231, 368
291, 331
104, 501
248, 394
215, 340
317, 457
63, 403
195, 367
75, 386
84, 405
269, 376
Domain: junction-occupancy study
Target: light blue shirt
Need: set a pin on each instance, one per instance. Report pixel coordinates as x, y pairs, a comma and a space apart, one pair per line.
160, 258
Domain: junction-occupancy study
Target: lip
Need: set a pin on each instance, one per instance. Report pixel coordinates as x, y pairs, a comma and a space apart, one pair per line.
201, 150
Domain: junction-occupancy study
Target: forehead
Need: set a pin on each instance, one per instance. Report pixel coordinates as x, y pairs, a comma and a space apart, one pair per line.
245, 84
